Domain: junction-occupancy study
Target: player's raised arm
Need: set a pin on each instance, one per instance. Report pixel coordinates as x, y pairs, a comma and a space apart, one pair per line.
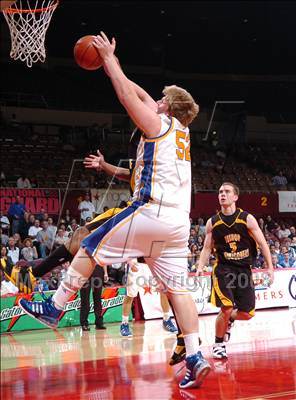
207, 247
98, 163
141, 93
258, 236
143, 116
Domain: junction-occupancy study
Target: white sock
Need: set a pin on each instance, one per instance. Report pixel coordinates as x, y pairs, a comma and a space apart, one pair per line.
124, 319
61, 296
166, 316
191, 343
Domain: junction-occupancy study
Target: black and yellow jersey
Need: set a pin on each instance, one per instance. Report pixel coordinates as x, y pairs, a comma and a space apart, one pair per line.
233, 243
20, 275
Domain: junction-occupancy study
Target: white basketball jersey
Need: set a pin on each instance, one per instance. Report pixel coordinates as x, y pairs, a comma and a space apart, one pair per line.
163, 166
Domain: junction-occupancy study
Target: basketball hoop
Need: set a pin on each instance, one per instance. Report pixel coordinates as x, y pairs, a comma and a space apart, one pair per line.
28, 24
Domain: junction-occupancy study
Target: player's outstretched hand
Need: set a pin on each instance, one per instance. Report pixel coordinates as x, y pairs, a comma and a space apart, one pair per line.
94, 162
104, 46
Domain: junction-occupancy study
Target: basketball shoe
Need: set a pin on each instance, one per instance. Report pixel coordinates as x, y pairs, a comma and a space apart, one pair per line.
219, 350
179, 353
44, 311
197, 369
125, 330
169, 326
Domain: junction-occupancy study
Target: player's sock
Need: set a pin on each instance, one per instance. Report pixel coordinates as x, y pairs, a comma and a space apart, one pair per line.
219, 339
124, 319
191, 343
56, 258
62, 295
166, 316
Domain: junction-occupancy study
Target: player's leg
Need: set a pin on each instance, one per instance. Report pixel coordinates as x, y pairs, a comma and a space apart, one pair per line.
67, 251
63, 253
167, 323
132, 290
171, 271
244, 299
97, 280
126, 309
104, 250
223, 286
84, 306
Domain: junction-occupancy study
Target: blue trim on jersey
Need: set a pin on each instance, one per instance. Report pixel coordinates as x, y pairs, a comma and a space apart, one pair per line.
91, 242
146, 178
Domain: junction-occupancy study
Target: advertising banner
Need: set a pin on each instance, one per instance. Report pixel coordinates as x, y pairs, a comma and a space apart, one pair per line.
287, 201
33, 199
282, 293
14, 319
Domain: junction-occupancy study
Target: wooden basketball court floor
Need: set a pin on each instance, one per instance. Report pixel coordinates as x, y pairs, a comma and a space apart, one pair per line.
71, 364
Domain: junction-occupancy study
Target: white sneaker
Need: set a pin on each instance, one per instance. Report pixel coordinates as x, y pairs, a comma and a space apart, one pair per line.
219, 351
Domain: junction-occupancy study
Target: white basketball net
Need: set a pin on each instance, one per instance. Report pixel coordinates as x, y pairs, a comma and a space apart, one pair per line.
28, 25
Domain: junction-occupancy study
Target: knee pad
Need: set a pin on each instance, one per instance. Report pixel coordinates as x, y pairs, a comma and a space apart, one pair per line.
74, 279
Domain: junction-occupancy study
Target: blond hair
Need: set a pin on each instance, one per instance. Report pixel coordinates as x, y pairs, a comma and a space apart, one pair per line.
181, 104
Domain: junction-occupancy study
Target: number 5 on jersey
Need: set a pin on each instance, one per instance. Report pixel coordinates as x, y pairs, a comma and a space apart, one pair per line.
183, 144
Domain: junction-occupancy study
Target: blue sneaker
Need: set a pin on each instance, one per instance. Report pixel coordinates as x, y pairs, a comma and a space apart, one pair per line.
125, 330
169, 326
44, 311
197, 369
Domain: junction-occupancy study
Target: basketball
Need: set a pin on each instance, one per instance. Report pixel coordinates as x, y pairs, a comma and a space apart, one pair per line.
86, 55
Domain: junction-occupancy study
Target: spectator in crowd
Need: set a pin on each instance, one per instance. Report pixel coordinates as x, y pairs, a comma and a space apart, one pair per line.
5, 258
5, 224
32, 220
192, 256
45, 239
261, 224
60, 238
270, 224
29, 252
23, 182
200, 242
277, 246
72, 227
67, 217
53, 281
42, 215
280, 180
292, 232
7, 287
15, 212
18, 240
86, 209
4, 238
51, 226
286, 261
275, 261
293, 243
13, 251
83, 182
202, 227
283, 232
287, 249
41, 286
24, 226
259, 261
33, 230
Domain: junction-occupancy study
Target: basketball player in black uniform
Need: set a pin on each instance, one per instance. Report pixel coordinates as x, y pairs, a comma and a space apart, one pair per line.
233, 234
